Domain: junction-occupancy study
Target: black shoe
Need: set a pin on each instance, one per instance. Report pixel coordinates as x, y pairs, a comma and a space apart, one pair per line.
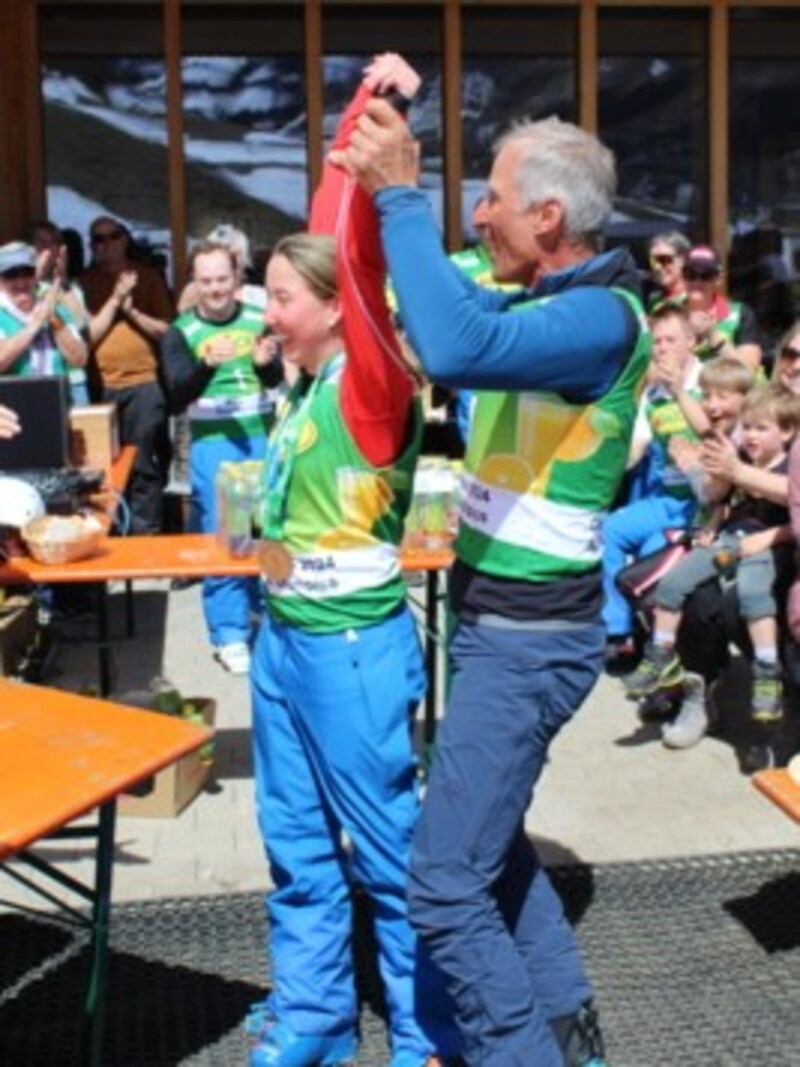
662, 705
760, 756
579, 1038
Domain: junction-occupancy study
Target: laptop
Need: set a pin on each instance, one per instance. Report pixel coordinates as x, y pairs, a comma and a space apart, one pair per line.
42, 406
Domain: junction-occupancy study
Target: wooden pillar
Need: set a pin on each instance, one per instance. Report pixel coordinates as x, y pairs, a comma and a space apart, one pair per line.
588, 66
175, 161
21, 150
718, 120
453, 146
315, 89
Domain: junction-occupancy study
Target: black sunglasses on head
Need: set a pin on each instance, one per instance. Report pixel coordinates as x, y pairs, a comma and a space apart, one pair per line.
18, 272
700, 274
105, 235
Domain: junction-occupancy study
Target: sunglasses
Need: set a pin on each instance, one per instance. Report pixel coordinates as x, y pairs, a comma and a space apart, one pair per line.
18, 272
105, 235
790, 353
692, 274
662, 259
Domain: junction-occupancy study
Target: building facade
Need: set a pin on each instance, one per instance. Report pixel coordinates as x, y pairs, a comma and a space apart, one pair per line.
176, 116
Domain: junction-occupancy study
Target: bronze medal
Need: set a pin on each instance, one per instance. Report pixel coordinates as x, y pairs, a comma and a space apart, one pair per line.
275, 560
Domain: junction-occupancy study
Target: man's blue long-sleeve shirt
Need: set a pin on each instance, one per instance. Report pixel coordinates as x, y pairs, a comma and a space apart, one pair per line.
465, 337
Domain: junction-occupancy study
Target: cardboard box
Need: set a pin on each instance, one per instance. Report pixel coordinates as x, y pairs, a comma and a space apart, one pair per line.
18, 629
94, 436
171, 790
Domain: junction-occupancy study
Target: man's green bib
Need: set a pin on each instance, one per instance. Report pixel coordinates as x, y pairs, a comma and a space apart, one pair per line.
540, 474
234, 403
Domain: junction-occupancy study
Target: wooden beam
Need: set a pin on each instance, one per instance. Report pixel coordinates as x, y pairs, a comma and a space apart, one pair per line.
33, 114
21, 152
175, 157
587, 66
718, 121
453, 147
314, 89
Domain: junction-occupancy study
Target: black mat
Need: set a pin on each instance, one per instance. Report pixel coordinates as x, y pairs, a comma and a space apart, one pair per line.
696, 964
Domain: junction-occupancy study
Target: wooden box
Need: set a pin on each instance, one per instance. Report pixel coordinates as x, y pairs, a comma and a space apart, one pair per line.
94, 436
171, 790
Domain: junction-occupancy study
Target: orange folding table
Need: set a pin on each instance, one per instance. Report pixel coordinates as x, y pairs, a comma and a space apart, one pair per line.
779, 786
138, 557
64, 756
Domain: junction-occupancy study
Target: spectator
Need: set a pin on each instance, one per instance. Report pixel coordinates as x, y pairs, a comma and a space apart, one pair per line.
739, 543
666, 257
38, 334
246, 292
786, 371
639, 528
721, 326
216, 362
52, 265
130, 310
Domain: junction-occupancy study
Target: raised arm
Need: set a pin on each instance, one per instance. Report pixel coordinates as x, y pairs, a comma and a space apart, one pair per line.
377, 387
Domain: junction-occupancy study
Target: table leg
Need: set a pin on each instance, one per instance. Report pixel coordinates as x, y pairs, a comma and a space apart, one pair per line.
431, 654
130, 618
99, 897
95, 1004
103, 639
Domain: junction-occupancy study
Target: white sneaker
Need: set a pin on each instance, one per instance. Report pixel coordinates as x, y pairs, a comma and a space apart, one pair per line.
692, 721
234, 657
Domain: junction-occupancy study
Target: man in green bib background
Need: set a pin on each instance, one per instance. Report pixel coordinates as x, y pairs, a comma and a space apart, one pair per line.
558, 366
217, 365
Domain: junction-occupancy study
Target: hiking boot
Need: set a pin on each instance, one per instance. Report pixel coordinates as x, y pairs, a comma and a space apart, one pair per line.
691, 723
280, 1046
579, 1038
767, 706
260, 1017
660, 669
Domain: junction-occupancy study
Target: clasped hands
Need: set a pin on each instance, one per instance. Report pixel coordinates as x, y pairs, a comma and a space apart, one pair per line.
381, 151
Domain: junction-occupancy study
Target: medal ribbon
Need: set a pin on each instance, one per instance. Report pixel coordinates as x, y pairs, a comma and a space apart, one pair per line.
282, 451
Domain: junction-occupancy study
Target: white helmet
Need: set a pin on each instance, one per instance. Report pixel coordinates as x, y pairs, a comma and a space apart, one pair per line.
19, 502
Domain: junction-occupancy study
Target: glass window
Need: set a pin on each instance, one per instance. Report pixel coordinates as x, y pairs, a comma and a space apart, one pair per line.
652, 113
764, 174
105, 131
244, 121
352, 35
516, 65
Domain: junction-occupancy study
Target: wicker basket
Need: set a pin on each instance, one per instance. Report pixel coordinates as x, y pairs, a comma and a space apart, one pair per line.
62, 539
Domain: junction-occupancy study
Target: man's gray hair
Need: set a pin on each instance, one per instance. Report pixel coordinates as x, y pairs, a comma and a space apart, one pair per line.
565, 163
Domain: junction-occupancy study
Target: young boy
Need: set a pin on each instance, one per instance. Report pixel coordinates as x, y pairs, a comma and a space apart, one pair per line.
668, 501
738, 542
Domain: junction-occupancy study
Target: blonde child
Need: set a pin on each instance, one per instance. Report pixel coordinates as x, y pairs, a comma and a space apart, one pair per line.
745, 527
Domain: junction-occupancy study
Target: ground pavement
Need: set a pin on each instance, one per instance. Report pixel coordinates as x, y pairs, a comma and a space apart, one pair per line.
611, 792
